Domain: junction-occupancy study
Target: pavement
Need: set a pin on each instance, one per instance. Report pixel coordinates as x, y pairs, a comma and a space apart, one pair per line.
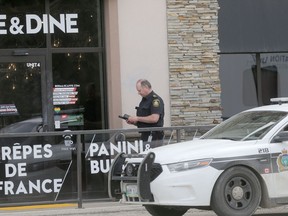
89, 208
110, 208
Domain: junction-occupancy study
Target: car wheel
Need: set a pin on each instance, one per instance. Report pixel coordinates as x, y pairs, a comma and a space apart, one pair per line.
237, 192
165, 210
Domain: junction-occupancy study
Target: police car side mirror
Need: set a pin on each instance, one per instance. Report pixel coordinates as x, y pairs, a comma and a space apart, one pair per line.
281, 137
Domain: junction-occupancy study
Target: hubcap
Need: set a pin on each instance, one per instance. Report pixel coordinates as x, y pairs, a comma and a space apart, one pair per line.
237, 193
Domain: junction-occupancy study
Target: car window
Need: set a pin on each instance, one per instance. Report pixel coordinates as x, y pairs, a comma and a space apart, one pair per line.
246, 126
282, 136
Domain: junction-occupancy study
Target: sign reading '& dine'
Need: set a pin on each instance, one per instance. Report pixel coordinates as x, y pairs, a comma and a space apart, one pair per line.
34, 24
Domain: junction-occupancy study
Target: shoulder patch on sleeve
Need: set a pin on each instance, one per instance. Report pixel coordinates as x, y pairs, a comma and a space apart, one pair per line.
156, 103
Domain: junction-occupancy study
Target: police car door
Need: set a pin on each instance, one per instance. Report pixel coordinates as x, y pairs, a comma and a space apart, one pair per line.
279, 156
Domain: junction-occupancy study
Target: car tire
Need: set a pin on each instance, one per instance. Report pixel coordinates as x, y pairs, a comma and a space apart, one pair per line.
156, 210
237, 192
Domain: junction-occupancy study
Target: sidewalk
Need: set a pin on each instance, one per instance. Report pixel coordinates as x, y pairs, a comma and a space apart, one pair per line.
93, 208
110, 208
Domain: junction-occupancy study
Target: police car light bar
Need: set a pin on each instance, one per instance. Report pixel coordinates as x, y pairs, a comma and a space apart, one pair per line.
279, 100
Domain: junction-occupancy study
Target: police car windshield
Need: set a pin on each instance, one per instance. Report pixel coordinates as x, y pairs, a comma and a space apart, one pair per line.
246, 126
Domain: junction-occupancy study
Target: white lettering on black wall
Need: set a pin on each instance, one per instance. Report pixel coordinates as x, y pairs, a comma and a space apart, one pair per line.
34, 24
15, 159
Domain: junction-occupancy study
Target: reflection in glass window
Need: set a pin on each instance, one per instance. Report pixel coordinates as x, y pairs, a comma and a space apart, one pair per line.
238, 76
20, 91
81, 72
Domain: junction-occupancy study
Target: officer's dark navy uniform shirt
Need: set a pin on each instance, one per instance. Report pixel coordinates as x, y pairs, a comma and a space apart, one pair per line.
151, 104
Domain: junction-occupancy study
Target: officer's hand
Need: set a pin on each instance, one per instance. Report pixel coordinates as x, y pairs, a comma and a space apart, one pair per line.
132, 120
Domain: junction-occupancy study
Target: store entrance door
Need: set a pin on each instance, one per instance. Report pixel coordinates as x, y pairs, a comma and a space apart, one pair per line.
22, 82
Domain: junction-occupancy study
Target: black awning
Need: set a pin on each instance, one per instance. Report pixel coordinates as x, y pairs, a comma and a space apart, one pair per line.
250, 26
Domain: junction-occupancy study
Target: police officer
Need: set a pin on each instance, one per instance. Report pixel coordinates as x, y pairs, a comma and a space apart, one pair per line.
150, 112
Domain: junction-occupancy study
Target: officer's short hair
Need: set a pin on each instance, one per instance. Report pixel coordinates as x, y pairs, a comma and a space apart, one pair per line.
145, 83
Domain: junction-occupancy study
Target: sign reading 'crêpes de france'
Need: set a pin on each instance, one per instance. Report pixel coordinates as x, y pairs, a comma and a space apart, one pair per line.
33, 24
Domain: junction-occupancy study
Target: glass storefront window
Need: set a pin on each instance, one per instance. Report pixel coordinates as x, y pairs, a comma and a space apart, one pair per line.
78, 90
71, 24
85, 21
20, 88
13, 22
52, 76
238, 75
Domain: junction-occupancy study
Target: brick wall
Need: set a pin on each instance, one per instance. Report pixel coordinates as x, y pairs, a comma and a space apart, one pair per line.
194, 62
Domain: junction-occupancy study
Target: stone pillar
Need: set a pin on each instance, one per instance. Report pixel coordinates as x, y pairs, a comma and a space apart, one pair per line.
193, 62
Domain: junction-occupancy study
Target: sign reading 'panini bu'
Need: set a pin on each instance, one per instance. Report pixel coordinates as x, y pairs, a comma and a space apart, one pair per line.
33, 24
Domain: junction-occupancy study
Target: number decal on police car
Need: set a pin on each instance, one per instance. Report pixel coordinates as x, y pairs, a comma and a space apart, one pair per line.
263, 150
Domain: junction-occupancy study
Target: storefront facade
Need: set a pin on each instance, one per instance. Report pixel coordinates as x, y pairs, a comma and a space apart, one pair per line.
73, 65
51, 61
61, 51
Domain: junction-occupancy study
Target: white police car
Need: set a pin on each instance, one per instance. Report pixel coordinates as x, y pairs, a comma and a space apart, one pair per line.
235, 167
